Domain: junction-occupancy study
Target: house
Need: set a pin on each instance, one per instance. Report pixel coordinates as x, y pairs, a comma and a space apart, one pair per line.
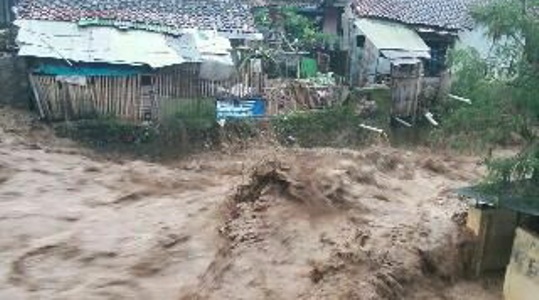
323, 55
436, 22
132, 59
402, 43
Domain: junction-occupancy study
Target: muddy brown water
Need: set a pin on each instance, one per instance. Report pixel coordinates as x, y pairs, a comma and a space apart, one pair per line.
379, 223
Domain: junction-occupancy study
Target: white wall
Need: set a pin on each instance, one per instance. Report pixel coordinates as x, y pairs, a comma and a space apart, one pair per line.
476, 39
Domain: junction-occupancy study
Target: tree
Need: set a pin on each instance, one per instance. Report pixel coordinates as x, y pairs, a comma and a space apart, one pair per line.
505, 88
300, 31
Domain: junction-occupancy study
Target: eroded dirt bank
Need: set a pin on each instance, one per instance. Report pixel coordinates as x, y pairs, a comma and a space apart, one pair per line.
261, 224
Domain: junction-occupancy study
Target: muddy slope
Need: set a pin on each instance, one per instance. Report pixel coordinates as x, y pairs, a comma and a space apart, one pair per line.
262, 224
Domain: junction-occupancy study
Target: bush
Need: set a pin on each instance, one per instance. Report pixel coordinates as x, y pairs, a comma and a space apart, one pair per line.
332, 127
492, 119
100, 132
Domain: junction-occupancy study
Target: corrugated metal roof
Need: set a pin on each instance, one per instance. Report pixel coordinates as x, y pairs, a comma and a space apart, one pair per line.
64, 40
401, 40
405, 54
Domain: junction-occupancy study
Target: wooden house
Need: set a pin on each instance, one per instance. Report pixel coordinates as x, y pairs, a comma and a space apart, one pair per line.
132, 59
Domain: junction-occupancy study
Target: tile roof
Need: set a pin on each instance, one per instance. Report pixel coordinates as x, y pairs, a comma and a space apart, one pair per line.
448, 14
221, 15
294, 3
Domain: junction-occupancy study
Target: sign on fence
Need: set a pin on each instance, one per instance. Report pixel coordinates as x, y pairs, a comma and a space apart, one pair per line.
240, 109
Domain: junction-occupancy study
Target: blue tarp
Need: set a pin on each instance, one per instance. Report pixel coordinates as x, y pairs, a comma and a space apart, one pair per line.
89, 70
240, 108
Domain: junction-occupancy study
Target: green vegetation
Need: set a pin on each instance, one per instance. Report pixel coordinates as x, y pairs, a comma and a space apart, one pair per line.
491, 120
332, 127
504, 90
192, 113
185, 125
300, 30
103, 131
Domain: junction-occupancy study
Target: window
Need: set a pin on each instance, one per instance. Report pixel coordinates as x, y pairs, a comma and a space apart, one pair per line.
436, 65
360, 41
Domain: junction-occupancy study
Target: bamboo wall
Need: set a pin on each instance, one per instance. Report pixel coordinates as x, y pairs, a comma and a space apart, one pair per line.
134, 97
178, 82
101, 95
181, 90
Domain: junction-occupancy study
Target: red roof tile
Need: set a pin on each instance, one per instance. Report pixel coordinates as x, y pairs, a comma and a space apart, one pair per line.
222, 15
449, 14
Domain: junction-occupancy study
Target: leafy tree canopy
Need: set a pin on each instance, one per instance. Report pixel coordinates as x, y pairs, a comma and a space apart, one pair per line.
504, 88
301, 31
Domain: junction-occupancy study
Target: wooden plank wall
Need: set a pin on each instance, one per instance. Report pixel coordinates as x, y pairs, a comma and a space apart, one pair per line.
405, 89
102, 95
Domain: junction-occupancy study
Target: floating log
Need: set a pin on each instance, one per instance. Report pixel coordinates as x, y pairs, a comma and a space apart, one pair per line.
36, 96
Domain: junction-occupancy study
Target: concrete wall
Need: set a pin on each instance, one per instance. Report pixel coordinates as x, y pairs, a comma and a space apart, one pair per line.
522, 276
14, 88
494, 230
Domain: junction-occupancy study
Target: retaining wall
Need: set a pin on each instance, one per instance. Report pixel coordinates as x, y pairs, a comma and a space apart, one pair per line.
522, 276
494, 230
14, 89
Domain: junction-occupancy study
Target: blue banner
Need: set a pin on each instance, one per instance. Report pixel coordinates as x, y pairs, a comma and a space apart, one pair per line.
240, 109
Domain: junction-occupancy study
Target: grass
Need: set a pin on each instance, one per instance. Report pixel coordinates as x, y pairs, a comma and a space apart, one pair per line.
193, 113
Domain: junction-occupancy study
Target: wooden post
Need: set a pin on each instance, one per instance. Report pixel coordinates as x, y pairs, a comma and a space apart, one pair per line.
37, 98
418, 89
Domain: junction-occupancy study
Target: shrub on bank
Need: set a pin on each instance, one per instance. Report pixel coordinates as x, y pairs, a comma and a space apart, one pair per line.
105, 131
332, 127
